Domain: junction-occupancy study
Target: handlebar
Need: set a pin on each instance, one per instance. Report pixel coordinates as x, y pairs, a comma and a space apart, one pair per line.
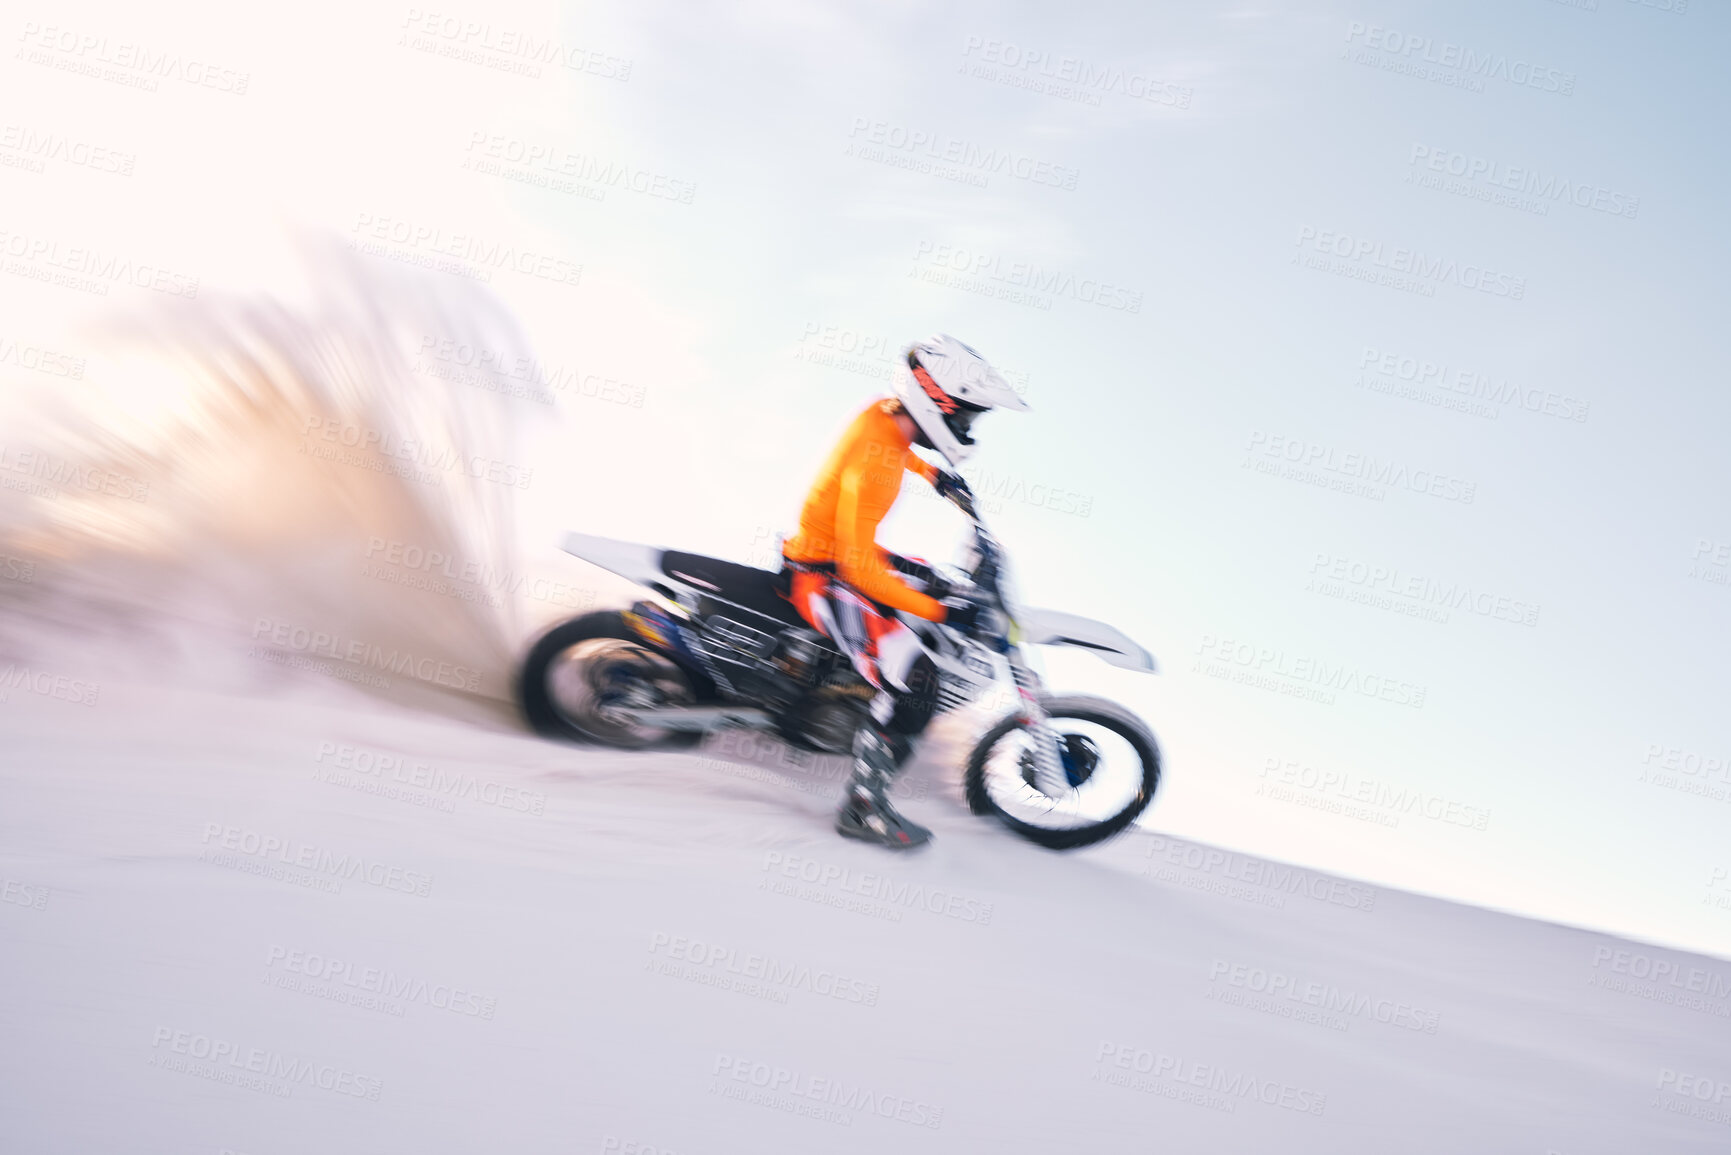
985, 572
965, 503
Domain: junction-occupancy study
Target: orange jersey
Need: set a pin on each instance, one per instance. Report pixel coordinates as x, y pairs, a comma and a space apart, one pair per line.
852, 495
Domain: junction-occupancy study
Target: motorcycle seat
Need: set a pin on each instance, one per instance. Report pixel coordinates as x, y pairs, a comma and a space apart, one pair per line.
758, 590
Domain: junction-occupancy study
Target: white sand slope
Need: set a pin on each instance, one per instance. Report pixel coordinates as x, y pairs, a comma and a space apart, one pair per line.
274, 915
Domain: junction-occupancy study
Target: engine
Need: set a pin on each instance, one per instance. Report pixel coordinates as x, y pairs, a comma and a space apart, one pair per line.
758, 658
818, 700
824, 721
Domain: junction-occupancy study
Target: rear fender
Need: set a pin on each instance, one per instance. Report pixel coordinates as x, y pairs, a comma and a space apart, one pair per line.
633, 562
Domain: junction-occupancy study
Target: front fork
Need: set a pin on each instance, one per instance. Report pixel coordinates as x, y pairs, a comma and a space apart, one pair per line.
1049, 776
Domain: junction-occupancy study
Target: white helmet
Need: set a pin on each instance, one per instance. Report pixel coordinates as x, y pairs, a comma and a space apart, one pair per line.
944, 386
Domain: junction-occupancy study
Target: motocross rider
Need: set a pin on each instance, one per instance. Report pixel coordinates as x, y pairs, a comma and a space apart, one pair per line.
847, 587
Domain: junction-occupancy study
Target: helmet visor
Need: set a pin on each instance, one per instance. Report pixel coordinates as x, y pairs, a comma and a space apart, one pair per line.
962, 420
958, 415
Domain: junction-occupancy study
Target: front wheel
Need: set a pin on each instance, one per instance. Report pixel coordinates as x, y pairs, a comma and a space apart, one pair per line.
1111, 765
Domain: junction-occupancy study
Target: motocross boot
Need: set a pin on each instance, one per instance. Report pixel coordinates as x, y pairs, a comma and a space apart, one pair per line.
866, 813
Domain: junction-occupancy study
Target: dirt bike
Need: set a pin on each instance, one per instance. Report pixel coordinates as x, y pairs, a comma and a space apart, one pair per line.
722, 647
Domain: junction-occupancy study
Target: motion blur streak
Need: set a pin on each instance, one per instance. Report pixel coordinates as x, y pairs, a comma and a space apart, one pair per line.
232, 461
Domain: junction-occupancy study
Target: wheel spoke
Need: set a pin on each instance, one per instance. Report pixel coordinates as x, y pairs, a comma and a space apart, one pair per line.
1112, 777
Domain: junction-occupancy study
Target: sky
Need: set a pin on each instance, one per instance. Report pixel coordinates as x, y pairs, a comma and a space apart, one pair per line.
1371, 347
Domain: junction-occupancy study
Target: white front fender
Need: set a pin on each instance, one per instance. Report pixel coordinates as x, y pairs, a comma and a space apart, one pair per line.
1054, 628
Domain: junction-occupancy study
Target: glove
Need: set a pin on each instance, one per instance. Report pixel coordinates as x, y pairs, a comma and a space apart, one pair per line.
953, 485
962, 615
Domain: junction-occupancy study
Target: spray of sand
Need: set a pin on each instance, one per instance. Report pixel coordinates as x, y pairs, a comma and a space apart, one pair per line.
291, 479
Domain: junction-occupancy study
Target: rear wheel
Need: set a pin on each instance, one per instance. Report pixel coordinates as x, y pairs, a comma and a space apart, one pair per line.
1111, 766
582, 671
